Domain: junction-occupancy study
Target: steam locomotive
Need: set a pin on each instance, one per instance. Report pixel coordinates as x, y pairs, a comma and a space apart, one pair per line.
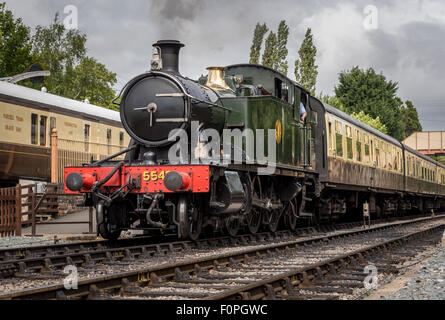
269, 170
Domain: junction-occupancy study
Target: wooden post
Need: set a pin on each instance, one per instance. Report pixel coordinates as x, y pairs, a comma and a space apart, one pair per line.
54, 157
18, 210
33, 214
90, 224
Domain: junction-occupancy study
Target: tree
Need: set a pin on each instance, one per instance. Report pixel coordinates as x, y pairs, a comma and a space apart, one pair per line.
258, 36
411, 119
73, 74
331, 100
269, 55
15, 46
370, 121
361, 116
305, 68
364, 90
91, 79
281, 48
59, 51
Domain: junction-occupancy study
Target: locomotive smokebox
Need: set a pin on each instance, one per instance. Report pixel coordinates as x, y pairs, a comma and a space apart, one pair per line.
155, 104
169, 50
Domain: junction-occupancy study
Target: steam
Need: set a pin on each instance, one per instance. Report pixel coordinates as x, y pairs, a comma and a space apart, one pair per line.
173, 17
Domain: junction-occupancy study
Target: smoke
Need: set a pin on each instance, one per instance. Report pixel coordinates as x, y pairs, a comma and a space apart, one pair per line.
174, 17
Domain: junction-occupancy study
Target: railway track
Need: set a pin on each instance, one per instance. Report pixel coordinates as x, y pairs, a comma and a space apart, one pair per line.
31, 262
267, 271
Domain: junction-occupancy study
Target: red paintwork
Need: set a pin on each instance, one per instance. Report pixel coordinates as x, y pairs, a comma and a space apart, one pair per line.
186, 180
88, 180
195, 178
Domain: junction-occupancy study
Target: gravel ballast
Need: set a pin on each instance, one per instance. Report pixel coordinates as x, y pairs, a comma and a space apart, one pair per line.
23, 242
427, 284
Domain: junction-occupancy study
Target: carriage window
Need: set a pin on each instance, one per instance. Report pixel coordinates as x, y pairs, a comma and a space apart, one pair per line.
109, 140
86, 132
383, 156
349, 147
121, 138
339, 139
366, 141
339, 143
377, 157
349, 150
43, 131
400, 163
359, 151
34, 128
367, 150
330, 136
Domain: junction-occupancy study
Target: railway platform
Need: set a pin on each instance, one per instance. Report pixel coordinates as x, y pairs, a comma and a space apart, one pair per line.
69, 230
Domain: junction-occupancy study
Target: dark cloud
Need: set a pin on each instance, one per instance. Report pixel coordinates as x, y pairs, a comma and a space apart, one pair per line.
178, 10
406, 47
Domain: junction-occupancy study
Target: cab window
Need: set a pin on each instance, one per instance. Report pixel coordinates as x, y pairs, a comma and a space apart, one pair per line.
281, 90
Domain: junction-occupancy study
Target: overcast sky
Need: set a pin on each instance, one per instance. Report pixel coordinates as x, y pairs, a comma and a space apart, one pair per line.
407, 45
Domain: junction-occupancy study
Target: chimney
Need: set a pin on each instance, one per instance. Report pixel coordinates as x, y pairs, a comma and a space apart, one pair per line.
169, 50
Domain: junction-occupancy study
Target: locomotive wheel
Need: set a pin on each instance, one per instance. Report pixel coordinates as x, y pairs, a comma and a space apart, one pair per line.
190, 220
232, 225
291, 215
255, 216
247, 185
103, 227
107, 234
274, 220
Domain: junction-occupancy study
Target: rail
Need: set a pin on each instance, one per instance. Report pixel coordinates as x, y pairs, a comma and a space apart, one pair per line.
153, 275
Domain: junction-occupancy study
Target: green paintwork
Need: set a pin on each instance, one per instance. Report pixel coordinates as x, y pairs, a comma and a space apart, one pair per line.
262, 112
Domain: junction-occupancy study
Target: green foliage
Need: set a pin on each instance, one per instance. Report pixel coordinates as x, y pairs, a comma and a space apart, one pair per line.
335, 102
15, 47
59, 51
305, 68
258, 36
73, 74
280, 64
269, 55
91, 79
331, 100
440, 159
370, 121
364, 90
411, 119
